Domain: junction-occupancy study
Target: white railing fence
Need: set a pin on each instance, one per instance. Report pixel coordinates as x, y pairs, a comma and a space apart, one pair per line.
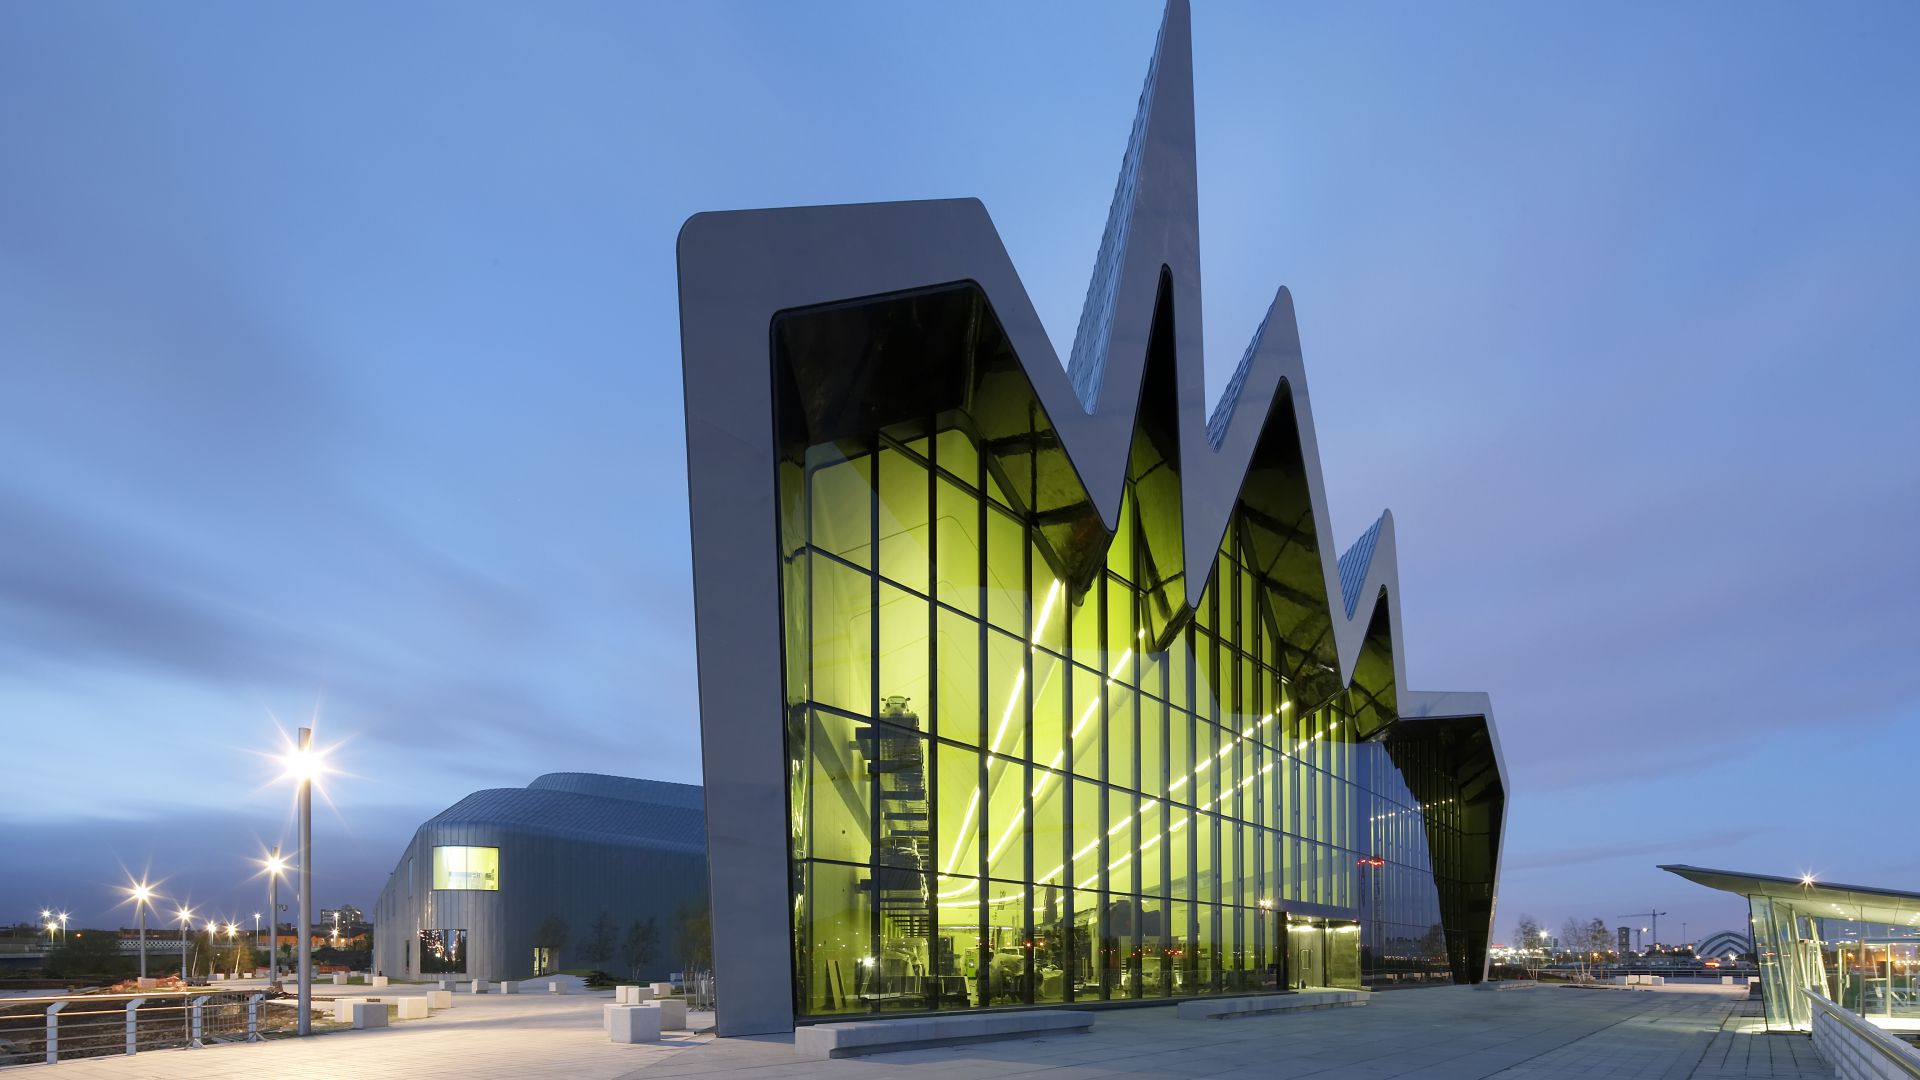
1856, 1049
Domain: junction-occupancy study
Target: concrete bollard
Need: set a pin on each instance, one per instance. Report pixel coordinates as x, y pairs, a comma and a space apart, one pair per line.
439, 999
673, 1013
509, 987
477, 986
412, 1008
635, 1024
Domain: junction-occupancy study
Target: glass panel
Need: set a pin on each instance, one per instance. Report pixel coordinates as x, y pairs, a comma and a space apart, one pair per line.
903, 651
1049, 709
957, 652
904, 523
840, 504
1087, 831
832, 957
1006, 572
957, 536
842, 636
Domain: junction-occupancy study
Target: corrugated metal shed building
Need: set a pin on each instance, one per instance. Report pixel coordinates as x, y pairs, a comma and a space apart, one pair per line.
473, 889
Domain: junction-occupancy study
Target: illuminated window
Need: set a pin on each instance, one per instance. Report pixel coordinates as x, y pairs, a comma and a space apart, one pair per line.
444, 952
466, 868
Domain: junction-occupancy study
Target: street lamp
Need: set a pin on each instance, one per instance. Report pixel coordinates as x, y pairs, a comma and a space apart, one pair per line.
186, 927
142, 895
304, 766
275, 867
63, 928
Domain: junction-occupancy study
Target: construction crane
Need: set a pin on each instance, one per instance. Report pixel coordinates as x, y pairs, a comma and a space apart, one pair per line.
1654, 919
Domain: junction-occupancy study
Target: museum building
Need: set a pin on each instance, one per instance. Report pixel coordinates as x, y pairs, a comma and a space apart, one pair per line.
510, 883
1025, 683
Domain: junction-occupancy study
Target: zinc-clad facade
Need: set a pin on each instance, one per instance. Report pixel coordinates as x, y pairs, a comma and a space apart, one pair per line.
568, 847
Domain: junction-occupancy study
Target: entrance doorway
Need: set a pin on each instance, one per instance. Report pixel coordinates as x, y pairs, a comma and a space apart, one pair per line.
1321, 952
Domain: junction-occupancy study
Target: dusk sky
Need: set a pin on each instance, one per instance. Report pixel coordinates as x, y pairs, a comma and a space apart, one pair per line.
340, 376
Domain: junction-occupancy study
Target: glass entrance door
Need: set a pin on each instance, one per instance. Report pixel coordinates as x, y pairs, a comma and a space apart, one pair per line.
1306, 951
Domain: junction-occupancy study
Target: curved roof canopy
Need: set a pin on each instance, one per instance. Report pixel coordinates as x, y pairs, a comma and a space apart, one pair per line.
1817, 898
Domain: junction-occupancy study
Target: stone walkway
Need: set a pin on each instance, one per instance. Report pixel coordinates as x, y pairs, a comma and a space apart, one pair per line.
1451, 1033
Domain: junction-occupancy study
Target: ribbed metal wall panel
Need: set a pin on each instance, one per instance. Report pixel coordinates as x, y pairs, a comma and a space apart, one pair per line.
571, 850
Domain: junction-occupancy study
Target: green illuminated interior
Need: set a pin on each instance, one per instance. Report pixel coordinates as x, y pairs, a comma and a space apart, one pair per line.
1022, 768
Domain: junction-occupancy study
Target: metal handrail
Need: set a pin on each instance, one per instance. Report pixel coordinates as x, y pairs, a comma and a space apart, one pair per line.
1891, 1050
50, 1030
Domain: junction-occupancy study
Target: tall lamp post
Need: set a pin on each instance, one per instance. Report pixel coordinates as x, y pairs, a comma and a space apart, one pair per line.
142, 895
186, 927
303, 766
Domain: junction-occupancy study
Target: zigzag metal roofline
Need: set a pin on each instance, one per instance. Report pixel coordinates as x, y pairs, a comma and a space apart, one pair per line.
739, 268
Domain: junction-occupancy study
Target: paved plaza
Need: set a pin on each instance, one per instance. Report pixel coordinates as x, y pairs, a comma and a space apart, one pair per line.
1452, 1033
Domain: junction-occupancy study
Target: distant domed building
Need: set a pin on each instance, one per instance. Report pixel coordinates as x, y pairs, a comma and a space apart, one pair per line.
509, 883
1718, 946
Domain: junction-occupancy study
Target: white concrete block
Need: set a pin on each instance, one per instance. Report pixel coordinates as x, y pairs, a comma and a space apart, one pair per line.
661, 990
339, 978
439, 999
369, 1014
635, 1024
508, 987
343, 1009
556, 987
378, 980
412, 1008
673, 1013
477, 986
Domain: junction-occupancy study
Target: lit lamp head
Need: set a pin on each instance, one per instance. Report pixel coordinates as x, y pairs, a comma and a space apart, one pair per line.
186, 917
304, 766
141, 893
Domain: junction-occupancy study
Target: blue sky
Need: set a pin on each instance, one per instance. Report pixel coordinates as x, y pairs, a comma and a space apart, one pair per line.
340, 373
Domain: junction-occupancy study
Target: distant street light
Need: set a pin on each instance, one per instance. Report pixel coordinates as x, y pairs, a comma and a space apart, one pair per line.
186, 927
275, 867
142, 895
63, 928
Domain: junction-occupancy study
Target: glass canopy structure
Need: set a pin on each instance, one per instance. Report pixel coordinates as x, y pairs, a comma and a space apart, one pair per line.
1029, 686
1859, 947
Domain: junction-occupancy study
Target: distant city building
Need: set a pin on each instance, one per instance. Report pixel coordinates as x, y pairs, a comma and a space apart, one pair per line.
1723, 944
1625, 936
513, 882
347, 913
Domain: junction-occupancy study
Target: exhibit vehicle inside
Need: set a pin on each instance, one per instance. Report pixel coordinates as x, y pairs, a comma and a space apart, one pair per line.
1029, 686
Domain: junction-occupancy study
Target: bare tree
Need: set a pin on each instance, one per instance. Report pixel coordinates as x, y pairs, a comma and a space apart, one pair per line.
637, 949
599, 942
1573, 940
1533, 945
1599, 939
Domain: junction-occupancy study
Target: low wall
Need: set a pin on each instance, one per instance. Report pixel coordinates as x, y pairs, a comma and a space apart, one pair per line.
1855, 1048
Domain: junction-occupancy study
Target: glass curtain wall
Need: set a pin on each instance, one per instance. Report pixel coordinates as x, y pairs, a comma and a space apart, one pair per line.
1002, 792
1871, 968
